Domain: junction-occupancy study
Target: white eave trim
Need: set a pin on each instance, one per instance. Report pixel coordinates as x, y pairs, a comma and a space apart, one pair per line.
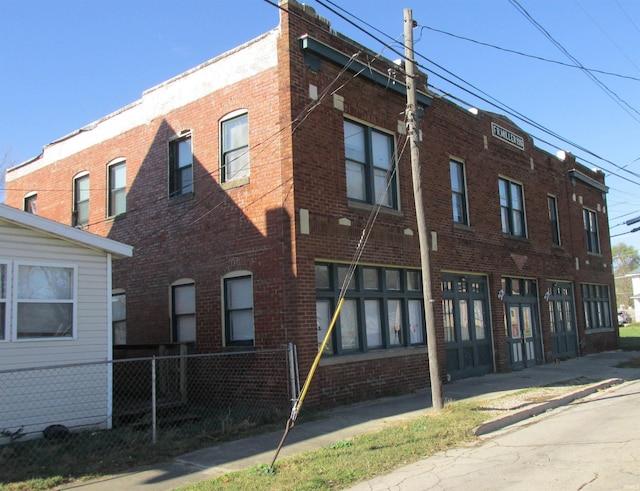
40, 224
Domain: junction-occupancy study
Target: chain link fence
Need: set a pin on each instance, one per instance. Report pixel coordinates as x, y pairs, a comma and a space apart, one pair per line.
100, 418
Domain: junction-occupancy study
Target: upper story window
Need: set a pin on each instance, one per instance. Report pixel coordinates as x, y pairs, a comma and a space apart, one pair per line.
180, 166
369, 165
80, 212
45, 298
117, 192
238, 309
183, 311
552, 203
591, 230
30, 203
512, 208
458, 192
4, 311
234, 133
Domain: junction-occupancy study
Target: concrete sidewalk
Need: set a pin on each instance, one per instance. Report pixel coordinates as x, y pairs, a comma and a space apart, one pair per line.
346, 422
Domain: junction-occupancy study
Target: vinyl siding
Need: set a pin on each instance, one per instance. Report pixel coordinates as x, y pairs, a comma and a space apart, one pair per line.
75, 396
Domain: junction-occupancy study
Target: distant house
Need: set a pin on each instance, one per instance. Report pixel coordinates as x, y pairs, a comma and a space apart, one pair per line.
635, 285
55, 311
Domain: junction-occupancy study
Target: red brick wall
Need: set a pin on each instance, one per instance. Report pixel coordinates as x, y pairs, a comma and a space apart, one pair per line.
297, 162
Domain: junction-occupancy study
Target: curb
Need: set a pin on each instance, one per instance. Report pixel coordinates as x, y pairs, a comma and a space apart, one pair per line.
503, 421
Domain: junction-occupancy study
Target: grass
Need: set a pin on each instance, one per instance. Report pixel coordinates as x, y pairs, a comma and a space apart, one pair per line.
630, 337
38, 465
363, 457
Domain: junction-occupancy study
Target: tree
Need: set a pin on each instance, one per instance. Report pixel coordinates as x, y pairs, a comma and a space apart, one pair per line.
625, 260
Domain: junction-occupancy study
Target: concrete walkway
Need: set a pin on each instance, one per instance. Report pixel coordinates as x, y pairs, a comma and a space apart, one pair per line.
346, 422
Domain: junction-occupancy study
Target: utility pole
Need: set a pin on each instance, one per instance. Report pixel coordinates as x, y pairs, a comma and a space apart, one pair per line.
423, 231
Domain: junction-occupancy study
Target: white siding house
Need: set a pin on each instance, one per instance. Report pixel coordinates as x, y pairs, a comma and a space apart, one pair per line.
55, 313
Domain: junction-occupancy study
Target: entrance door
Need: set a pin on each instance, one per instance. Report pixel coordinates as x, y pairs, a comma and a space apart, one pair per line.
564, 338
467, 330
524, 340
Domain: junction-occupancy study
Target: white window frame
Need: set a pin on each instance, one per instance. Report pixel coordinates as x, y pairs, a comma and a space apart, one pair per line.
226, 334
241, 178
6, 300
15, 301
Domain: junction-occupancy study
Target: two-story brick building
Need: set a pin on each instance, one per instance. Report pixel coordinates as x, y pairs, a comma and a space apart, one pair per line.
249, 184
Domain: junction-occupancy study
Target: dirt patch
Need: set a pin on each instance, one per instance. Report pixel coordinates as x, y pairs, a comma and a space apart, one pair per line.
535, 395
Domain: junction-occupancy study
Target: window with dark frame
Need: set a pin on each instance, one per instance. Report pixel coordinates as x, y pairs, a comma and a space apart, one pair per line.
458, 192
553, 220
369, 166
235, 148
30, 203
80, 214
597, 306
180, 166
382, 308
591, 231
238, 310
119, 318
3, 302
512, 208
117, 193
183, 312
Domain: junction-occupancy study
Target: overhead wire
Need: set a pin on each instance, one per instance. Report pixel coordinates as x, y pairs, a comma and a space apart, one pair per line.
615, 97
606, 34
526, 55
485, 97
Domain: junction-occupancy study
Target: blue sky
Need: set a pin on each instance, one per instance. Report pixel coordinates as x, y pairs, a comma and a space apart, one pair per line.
66, 63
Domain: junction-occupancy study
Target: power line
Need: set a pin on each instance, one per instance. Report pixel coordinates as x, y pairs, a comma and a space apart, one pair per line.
485, 98
606, 34
526, 55
615, 97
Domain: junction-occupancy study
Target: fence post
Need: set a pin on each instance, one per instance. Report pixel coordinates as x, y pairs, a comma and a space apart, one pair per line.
153, 401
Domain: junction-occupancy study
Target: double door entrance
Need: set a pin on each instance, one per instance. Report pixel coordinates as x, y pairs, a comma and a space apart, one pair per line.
467, 328
524, 339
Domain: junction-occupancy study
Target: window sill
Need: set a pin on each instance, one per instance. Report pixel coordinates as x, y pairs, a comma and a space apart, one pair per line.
235, 184
463, 227
368, 207
599, 331
115, 218
516, 237
181, 198
380, 354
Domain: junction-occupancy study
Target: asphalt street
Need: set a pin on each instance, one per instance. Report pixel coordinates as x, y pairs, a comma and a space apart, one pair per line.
591, 444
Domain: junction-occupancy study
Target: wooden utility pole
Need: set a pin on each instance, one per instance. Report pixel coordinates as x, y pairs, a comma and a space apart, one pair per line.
423, 231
